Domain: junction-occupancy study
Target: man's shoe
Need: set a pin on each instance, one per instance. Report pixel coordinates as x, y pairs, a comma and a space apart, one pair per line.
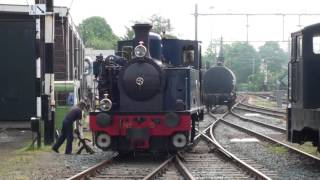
55, 150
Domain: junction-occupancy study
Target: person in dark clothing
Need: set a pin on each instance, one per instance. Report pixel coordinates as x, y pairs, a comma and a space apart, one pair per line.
73, 115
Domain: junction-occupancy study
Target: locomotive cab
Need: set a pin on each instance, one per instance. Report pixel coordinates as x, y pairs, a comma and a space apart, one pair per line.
303, 92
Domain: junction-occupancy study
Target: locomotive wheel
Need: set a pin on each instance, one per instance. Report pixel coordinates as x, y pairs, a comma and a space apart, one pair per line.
179, 140
103, 141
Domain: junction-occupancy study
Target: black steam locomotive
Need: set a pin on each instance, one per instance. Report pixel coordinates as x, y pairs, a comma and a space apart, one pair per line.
149, 94
219, 85
304, 98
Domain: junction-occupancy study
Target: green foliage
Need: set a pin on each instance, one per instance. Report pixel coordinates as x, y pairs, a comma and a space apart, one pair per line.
276, 60
97, 34
274, 56
160, 25
210, 57
242, 59
129, 34
255, 82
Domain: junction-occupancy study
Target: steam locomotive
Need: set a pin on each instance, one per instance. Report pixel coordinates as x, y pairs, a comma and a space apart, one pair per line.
219, 85
303, 92
149, 94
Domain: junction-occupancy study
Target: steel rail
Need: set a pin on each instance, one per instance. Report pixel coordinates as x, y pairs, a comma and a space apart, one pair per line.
261, 112
249, 168
262, 136
178, 164
263, 108
282, 130
92, 170
159, 169
182, 169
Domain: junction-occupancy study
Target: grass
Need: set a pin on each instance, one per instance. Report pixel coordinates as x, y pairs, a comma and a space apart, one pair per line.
278, 149
29, 148
308, 148
19, 161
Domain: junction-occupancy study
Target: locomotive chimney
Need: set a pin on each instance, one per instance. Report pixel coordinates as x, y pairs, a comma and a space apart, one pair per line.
141, 32
220, 59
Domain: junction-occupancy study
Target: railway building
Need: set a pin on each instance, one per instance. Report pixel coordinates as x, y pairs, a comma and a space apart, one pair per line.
18, 58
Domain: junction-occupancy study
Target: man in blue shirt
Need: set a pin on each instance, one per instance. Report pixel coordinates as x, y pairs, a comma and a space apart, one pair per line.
73, 115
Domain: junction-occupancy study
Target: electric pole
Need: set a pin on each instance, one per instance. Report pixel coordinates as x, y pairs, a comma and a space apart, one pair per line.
35, 121
49, 74
196, 22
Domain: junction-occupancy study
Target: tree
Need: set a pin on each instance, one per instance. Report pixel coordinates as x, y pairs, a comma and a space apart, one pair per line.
242, 59
129, 34
274, 56
276, 60
255, 82
210, 57
97, 34
160, 25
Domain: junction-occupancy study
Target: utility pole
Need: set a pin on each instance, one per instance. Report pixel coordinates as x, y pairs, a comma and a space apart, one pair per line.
247, 28
35, 121
196, 22
49, 102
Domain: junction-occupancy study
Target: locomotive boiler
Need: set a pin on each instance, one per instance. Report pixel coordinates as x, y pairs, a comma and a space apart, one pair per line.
149, 94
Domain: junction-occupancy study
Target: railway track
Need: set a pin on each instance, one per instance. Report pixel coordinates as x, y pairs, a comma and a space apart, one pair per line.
140, 167
274, 110
263, 111
269, 129
272, 119
206, 163
295, 163
270, 135
273, 124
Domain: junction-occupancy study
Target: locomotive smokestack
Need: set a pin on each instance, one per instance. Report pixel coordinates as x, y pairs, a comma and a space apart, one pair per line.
220, 59
141, 32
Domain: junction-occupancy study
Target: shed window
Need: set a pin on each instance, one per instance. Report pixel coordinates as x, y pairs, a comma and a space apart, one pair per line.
316, 44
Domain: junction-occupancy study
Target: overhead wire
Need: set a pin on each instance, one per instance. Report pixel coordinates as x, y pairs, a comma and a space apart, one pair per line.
70, 5
27, 2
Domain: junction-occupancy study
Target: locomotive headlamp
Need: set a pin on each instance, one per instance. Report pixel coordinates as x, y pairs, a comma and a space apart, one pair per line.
105, 104
103, 141
179, 140
140, 50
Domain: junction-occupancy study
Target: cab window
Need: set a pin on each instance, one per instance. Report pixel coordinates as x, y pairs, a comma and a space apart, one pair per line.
299, 48
188, 55
316, 44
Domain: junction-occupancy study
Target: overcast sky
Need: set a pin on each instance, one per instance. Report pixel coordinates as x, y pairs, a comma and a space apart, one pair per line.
121, 13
